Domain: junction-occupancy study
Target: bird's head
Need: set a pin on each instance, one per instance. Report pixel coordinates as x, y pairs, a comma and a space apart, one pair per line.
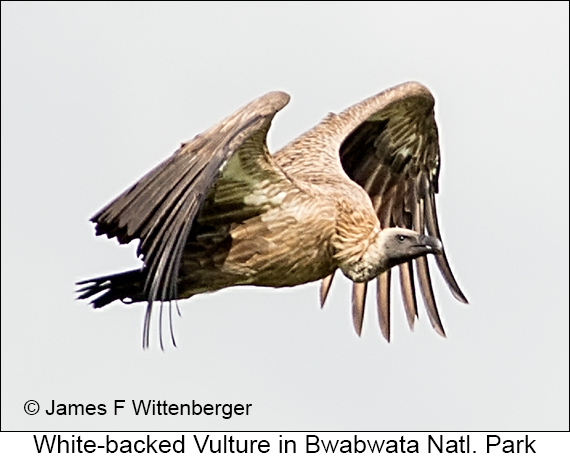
400, 245
392, 246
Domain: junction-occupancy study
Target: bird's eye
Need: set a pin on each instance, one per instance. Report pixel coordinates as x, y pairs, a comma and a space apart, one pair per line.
401, 238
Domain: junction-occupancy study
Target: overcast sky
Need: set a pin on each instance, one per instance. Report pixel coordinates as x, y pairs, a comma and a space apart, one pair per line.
95, 95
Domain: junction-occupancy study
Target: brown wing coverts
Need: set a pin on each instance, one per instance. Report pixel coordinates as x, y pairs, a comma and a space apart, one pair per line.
394, 156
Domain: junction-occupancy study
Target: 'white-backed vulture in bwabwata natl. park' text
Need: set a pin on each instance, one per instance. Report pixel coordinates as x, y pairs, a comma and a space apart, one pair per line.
355, 193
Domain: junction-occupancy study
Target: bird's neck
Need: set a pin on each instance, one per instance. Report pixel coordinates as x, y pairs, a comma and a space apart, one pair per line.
356, 243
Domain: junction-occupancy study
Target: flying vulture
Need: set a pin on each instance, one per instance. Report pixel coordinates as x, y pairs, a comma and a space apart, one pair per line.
354, 193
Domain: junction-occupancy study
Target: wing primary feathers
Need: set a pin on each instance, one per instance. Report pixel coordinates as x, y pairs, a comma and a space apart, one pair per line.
424, 276
111, 221
325, 287
146, 325
162, 255
160, 325
384, 207
402, 217
170, 323
408, 292
174, 179
398, 205
441, 259
383, 302
427, 293
358, 302
169, 289
175, 191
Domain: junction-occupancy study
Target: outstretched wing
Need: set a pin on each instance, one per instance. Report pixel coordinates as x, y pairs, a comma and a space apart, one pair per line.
160, 208
390, 147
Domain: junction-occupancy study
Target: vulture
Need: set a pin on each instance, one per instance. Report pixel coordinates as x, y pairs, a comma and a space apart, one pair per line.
356, 193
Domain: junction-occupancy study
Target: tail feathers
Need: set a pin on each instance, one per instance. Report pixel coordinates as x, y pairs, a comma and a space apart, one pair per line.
126, 286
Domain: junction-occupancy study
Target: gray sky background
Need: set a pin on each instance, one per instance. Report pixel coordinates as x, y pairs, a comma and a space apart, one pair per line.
94, 96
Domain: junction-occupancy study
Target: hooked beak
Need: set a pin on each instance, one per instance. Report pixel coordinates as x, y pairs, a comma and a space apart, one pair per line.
431, 243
